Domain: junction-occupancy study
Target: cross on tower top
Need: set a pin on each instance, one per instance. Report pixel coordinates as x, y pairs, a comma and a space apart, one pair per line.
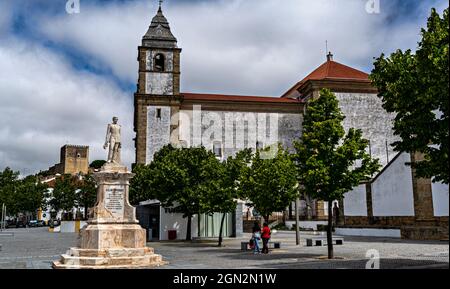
160, 3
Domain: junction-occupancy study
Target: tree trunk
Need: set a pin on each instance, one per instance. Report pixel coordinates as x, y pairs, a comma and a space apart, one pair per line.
188, 230
266, 219
297, 221
221, 228
290, 211
329, 231
85, 212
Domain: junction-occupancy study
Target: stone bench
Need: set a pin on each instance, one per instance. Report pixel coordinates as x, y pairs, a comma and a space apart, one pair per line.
272, 245
322, 241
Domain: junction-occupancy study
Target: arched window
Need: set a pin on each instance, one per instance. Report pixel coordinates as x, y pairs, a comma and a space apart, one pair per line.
159, 62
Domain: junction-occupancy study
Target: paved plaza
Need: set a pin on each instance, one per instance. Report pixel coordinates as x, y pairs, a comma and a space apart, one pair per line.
37, 248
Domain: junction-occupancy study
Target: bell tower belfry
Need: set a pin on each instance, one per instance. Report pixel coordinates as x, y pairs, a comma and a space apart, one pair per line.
157, 99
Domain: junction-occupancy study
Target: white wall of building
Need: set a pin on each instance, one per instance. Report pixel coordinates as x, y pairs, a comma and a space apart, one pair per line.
392, 191
440, 199
355, 202
175, 221
365, 111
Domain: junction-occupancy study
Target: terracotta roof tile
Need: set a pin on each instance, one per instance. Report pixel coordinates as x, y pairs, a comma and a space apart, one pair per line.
331, 70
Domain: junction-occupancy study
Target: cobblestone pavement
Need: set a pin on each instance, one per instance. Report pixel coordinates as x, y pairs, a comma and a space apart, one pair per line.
37, 248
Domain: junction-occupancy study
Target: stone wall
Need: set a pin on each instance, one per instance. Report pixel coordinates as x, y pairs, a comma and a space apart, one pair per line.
158, 130
235, 131
364, 111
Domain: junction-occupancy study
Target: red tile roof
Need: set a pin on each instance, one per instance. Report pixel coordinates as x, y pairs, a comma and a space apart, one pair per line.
236, 98
331, 70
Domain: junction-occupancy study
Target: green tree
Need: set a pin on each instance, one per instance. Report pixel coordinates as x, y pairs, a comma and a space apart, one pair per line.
87, 193
224, 191
270, 183
9, 181
30, 195
64, 195
180, 178
415, 87
329, 162
97, 164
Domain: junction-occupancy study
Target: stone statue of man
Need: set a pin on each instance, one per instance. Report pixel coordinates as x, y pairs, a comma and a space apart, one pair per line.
113, 140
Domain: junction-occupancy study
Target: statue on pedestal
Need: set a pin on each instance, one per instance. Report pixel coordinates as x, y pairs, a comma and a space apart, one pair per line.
113, 237
114, 141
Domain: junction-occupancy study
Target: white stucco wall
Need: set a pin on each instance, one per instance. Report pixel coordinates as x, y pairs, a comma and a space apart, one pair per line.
355, 202
175, 221
238, 130
440, 199
365, 111
158, 130
392, 191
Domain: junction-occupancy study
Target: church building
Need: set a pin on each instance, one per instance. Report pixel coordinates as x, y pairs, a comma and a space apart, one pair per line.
165, 114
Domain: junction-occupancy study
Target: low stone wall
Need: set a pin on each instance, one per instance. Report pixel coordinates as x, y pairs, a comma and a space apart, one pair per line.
369, 232
424, 233
410, 227
308, 225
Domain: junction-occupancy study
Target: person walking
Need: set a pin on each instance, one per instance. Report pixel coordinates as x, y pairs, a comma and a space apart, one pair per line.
265, 238
256, 236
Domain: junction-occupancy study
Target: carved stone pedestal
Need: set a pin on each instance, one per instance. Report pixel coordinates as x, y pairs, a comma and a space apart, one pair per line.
113, 238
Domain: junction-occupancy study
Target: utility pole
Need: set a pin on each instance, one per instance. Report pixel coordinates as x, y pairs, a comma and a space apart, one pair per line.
297, 221
2, 224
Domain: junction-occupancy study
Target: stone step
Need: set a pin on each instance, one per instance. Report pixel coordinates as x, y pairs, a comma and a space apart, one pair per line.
59, 265
107, 253
145, 260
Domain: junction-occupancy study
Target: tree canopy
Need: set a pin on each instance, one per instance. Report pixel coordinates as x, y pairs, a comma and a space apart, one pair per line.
269, 183
21, 195
330, 162
183, 179
415, 87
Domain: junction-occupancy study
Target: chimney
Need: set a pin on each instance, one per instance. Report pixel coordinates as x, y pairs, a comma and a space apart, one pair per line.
329, 56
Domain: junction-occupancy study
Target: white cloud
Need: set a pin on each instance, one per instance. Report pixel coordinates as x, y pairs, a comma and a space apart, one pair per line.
45, 104
248, 47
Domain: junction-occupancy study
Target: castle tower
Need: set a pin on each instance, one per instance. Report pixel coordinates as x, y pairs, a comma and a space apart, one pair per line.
157, 99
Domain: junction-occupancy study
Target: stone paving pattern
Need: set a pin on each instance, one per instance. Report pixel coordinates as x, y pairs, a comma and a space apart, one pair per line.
36, 248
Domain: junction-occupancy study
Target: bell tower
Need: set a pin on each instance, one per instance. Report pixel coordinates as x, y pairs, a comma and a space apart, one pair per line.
157, 100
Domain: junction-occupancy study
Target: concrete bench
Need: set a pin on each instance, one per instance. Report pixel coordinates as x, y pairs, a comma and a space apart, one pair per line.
322, 241
272, 245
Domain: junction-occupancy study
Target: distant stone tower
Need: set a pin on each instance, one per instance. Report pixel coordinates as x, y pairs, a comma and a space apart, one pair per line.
157, 100
74, 159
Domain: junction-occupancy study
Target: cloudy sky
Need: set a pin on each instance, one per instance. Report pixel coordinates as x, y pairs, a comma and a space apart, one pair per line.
63, 76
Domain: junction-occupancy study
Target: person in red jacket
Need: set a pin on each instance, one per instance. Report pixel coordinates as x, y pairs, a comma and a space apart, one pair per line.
265, 236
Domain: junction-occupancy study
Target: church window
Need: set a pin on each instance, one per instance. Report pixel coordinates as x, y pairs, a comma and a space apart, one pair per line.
217, 149
158, 113
159, 62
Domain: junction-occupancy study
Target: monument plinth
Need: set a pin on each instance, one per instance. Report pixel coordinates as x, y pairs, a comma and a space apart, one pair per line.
113, 237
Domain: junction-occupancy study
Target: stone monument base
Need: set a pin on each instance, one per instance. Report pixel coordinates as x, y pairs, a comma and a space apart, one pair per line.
111, 246
113, 238
111, 258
